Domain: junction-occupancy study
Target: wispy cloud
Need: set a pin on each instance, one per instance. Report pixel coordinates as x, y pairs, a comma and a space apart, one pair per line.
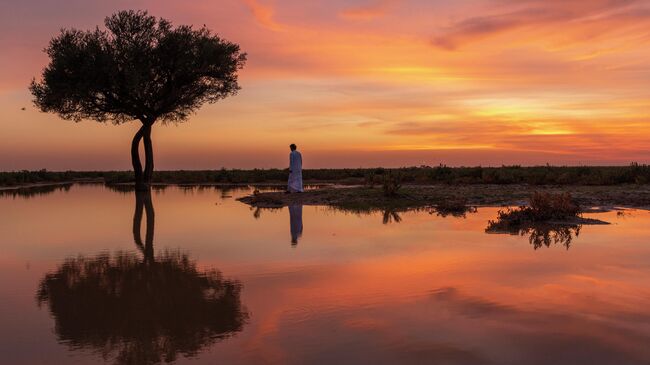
569, 19
264, 15
374, 9
415, 81
476, 28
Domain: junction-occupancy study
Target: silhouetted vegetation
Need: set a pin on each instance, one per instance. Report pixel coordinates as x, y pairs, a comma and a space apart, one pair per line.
223, 176
392, 183
448, 198
25, 177
139, 312
453, 207
389, 216
506, 175
534, 175
541, 234
545, 235
138, 68
34, 191
548, 219
543, 207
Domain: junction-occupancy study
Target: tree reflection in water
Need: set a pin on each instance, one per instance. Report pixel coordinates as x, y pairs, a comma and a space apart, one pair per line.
540, 235
34, 191
141, 310
545, 236
455, 211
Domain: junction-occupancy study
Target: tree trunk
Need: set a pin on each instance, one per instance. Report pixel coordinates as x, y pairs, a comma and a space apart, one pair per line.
135, 160
148, 154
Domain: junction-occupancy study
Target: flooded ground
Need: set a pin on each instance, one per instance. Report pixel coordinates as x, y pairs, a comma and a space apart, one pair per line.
207, 279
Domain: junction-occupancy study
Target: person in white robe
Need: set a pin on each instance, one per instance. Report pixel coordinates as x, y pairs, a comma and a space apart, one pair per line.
295, 171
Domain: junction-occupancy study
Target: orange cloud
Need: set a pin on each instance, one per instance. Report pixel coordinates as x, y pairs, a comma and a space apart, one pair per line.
369, 11
584, 20
505, 81
264, 14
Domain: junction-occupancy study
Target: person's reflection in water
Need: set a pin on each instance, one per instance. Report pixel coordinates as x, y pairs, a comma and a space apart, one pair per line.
141, 310
295, 222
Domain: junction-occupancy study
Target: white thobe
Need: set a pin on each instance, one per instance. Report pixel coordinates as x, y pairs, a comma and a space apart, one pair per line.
295, 176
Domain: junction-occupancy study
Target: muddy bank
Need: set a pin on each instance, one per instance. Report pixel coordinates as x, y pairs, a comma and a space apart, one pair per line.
411, 197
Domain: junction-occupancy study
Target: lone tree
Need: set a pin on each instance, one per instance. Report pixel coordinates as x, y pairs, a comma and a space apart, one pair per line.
138, 68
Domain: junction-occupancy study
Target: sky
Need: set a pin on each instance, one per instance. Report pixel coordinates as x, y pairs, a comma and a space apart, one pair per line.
364, 83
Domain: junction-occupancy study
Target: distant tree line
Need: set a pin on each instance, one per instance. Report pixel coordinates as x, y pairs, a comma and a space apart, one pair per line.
535, 175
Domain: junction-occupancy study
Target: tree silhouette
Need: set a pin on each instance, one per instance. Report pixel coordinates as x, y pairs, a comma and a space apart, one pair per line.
141, 310
138, 68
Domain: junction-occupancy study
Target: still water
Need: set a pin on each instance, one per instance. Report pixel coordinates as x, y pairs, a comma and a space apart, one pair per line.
208, 280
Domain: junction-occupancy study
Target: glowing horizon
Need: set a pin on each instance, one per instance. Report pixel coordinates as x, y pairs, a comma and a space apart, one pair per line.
366, 83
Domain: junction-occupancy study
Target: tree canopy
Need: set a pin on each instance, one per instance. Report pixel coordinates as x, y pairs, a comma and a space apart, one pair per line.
138, 68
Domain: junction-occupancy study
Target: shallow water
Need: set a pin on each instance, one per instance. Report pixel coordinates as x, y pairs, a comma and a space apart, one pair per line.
310, 284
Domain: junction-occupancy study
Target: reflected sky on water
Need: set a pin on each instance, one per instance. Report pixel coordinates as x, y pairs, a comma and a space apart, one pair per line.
308, 284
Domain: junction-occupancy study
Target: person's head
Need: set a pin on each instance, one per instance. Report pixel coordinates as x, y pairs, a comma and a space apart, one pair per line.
293, 147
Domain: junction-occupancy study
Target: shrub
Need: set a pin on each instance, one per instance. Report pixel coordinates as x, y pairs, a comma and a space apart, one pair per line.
392, 183
543, 207
369, 179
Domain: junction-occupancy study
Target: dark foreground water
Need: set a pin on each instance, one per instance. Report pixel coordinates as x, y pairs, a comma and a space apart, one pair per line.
208, 280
